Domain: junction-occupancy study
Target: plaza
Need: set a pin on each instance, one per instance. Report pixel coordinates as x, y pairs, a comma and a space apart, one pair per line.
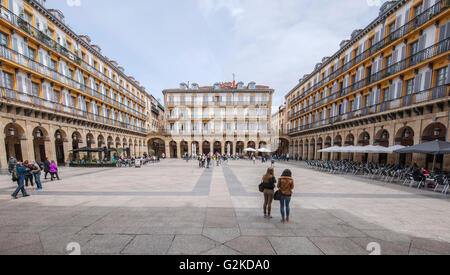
174, 207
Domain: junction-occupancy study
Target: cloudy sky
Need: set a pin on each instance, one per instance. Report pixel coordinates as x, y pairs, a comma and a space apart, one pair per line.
164, 42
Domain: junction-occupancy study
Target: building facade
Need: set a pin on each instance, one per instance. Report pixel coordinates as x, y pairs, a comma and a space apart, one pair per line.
224, 118
279, 125
387, 85
156, 119
59, 93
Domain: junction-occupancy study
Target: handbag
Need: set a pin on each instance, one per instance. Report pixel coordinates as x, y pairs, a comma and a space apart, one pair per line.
277, 196
261, 187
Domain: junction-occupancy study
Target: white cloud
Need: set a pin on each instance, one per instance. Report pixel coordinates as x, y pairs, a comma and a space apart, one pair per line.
277, 42
74, 3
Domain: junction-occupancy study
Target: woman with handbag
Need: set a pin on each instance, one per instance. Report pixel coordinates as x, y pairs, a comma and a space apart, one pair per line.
268, 184
285, 186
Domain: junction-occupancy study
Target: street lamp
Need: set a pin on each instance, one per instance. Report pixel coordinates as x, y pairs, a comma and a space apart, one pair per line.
58, 135
406, 134
12, 131
437, 132
38, 133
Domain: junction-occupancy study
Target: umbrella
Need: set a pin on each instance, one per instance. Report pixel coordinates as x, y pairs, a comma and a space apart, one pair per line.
334, 149
264, 150
390, 150
249, 150
432, 148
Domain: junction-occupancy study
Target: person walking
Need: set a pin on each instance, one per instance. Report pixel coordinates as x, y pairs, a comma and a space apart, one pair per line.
272, 162
54, 170
268, 183
12, 162
286, 185
20, 175
208, 160
46, 168
36, 171
28, 174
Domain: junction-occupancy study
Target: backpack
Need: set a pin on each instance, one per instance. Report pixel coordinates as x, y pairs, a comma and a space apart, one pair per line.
15, 175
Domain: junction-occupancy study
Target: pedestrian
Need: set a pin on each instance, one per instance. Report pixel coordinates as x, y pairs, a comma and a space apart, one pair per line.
208, 160
19, 173
54, 170
28, 174
36, 171
254, 159
12, 164
268, 183
46, 167
286, 185
272, 162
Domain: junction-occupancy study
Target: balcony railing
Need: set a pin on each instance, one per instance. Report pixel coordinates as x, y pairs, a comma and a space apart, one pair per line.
50, 43
215, 104
35, 101
424, 55
402, 31
405, 101
23, 60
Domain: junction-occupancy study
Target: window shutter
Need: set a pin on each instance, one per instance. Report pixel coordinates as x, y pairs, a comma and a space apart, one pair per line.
422, 40
417, 83
398, 22
400, 89
383, 32
377, 96
19, 83
394, 57
377, 37
403, 53
447, 33
448, 75
426, 4
24, 49
442, 32
15, 44
407, 15
28, 86
428, 80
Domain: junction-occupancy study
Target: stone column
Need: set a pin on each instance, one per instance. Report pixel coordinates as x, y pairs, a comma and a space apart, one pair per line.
234, 147
189, 148
166, 149
178, 150
67, 145
3, 157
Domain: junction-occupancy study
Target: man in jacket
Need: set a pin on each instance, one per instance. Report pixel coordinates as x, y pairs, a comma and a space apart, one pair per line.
21, 172
36, 172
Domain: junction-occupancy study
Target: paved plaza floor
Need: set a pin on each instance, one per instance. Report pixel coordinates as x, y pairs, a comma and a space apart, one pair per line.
177, 208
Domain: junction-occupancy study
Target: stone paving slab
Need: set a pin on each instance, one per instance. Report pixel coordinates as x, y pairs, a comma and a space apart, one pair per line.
219, 211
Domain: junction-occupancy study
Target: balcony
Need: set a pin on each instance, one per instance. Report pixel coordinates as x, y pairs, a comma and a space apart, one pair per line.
52, 75
37, 102
409, 62
417, 22
420, 97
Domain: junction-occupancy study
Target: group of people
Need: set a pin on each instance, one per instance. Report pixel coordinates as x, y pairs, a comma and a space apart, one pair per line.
205, 161
285, 186
24, 173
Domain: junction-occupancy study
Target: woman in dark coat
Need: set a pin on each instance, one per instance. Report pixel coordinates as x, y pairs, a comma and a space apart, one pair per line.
46, 167
268, 182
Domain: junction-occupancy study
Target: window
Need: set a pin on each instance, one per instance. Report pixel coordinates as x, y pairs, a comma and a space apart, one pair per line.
409, 86
35, 89
366, 100
391, 28
388, 61
53, 64
414, 48
31, 53
441, 77
417, 10
8, 80
385, 94
3, 39
55, 96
